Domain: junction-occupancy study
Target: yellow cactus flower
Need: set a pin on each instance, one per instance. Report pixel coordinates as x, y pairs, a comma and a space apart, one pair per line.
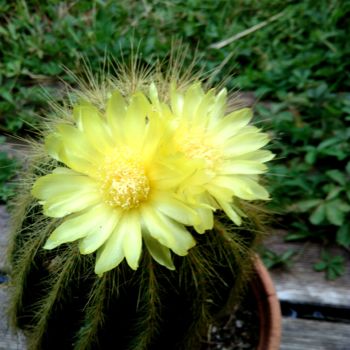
118, 186
147, 169
227, 150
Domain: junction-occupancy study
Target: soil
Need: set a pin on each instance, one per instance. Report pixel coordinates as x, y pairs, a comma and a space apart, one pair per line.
238, 331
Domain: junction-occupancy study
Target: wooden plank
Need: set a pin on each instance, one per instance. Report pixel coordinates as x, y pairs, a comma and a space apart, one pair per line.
298, 334
8, 340
301, 284
4, 221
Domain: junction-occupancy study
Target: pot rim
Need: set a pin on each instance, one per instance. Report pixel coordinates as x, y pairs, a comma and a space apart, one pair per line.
268, 307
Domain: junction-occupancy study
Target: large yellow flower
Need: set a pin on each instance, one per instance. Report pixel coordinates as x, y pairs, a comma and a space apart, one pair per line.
226, 149
117, 185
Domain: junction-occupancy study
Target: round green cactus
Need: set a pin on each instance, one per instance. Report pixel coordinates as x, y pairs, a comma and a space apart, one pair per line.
135, 226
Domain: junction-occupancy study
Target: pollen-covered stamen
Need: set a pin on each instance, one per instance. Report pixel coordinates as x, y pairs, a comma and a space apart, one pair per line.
124, 182
196, 146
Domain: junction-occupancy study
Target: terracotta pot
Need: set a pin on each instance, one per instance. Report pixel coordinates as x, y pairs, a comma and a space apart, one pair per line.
268, 308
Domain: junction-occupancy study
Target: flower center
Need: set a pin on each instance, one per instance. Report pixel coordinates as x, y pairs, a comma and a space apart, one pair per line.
195, 146
124, 182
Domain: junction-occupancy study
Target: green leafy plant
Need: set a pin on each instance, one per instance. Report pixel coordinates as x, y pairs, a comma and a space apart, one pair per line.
332, 265
8, 167
273, 259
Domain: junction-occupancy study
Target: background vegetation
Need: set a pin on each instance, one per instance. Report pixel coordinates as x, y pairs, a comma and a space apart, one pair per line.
293, 55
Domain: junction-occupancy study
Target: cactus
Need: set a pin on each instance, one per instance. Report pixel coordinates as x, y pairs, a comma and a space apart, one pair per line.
156, 249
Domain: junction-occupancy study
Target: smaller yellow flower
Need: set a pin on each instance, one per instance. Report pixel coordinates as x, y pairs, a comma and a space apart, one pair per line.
227, 151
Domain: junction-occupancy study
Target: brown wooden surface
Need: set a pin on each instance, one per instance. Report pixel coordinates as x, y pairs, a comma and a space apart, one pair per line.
314, 335
301, 284
8, 340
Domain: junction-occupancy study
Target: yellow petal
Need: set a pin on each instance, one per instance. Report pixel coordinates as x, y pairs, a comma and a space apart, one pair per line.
222, 187
94, 128
76, 142
242, 167
242, 187
111, 253
79, 226
59, 183
159, 252
115, 113
65, 171
132, 243
153, 95
53, 145
230, 212
175, 209
167, 232
136, 120
165, 178
193, 98
92, 242
63, 205
75, 151
232, 123
154, 134
204, 108
245, 143
261, 156
218, 109
206, 220
177, 101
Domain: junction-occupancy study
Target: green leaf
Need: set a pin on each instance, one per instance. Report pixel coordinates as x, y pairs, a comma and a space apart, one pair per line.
335, 271
287, 255
320, 266
334, 192
347, 168
325, 255
343, 206
337, 176
333, 265
328, 143
6, 95
332, 273
343, 235
268, 263
337, 260
311, 156
272, 259
308, 204
334, 214
318, 215
297, 236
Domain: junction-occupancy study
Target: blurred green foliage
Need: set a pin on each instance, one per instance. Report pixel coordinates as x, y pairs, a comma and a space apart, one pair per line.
272, 259
297, 66
8, 168
332, 265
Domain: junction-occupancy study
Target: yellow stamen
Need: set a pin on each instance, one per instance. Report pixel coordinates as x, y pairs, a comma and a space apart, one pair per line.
124, 182
196, 146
